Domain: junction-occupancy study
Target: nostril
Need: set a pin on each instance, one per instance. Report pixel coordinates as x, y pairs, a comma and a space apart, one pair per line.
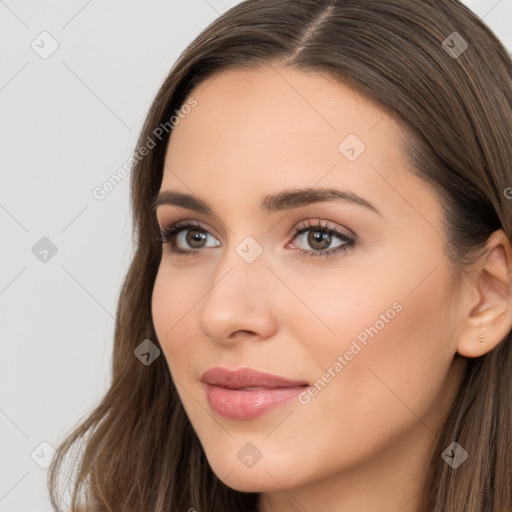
242, 331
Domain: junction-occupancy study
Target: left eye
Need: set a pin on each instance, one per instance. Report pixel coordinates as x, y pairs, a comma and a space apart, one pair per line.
320, 238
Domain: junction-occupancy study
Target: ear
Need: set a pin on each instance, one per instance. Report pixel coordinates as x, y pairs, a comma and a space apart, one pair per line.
488, 298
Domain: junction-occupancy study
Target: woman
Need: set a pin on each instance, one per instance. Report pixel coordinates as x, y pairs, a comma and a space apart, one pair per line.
318, 313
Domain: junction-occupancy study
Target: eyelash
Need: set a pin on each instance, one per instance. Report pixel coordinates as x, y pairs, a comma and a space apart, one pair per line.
168, 234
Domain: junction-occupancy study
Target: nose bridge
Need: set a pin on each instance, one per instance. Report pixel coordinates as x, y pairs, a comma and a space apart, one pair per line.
239, 297
245, 260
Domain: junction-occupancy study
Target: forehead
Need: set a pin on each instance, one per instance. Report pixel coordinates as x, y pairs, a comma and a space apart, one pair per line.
280, 108
254, 132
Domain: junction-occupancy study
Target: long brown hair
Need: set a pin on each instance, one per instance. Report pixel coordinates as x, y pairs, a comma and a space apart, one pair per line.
137, 451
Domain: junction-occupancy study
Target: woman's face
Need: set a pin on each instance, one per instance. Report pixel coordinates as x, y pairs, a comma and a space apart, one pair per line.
357, 310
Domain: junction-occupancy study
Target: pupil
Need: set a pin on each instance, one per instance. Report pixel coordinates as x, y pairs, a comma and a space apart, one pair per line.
319, 237
195, 237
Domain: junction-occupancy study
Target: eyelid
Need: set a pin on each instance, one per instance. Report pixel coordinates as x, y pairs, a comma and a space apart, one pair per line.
187, 223
312, 223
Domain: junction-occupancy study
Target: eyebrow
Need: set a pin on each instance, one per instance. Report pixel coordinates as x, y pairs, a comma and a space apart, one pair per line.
284, 200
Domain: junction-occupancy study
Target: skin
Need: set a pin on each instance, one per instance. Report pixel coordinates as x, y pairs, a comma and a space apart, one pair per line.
364, 441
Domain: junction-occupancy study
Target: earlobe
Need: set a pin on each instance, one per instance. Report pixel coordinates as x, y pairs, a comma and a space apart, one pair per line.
489, 318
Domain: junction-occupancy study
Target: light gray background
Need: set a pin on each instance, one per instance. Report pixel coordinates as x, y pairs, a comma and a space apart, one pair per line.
68, 122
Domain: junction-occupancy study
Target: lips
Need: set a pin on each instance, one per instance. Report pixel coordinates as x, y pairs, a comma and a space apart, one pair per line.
246, 394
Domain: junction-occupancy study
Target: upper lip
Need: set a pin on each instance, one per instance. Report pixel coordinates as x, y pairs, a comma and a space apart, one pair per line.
246, 377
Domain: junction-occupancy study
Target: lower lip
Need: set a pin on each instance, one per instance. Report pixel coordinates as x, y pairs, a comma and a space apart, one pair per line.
239, 404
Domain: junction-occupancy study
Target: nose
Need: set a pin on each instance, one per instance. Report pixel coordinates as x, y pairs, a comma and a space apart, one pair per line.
240, 304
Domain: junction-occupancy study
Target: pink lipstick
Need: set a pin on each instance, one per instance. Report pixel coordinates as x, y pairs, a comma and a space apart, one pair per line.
245, 394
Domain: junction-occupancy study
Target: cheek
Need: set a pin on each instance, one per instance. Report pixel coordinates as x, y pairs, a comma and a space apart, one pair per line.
164, 305
385, 344
172, 301
336, 308
175, 293
388, 359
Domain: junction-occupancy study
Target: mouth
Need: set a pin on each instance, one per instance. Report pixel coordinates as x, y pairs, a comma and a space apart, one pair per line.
246, 394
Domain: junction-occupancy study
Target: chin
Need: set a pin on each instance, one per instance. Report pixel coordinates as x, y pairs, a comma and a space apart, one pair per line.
263, 476
248, 481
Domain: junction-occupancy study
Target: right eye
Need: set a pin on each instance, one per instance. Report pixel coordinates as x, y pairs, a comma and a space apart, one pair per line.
190, 236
